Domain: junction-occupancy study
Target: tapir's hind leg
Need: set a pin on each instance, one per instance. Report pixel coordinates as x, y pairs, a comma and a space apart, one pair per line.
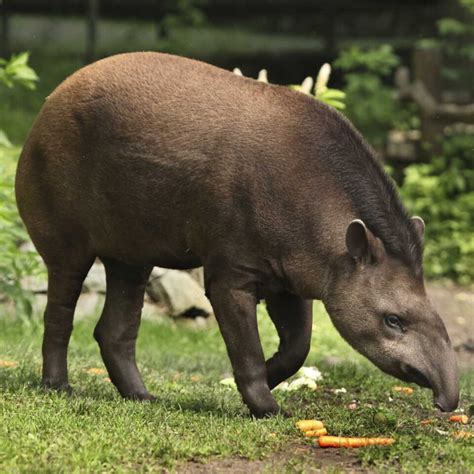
292, 317
64, 287
117, 330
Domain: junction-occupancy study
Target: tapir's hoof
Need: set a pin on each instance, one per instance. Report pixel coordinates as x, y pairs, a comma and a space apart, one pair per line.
140, 397
266, 413
62, 387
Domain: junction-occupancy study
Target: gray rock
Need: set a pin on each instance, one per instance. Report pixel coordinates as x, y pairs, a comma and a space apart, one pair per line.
95, 280
180, 292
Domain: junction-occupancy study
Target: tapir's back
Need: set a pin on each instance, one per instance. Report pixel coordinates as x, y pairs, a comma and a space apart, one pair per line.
148, 147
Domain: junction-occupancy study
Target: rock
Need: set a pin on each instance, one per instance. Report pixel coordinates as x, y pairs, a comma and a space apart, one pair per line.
95, 280
180, 291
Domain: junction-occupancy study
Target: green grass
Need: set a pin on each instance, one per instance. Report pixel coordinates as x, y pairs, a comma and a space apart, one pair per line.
195, 417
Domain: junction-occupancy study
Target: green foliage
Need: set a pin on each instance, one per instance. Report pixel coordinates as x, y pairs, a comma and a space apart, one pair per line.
17, 71
442, 192
370, 104
333, 97
184, 13
15, 264
379, 61
457, 47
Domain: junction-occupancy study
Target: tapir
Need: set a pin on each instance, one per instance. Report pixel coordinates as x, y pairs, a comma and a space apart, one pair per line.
149, 159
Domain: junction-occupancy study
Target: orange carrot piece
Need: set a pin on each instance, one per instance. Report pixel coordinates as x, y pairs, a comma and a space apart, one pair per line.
462, 434
316, 433
309, 425
426, 422
342, 442
459, 419
8, 363
405, 390
95, 371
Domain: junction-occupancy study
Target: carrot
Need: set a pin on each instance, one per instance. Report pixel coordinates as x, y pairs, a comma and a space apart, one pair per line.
426, 422
95, 371
462, 434
7, 363
309, 425
316, 433
459, 419
405, 390
341, 442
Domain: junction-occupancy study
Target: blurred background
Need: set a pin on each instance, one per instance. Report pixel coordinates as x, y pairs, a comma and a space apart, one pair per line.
401, 70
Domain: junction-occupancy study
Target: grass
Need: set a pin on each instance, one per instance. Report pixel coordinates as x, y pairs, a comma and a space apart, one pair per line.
195, 417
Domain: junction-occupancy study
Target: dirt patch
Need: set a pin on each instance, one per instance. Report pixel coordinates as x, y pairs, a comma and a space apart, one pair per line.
456, 307
296, 458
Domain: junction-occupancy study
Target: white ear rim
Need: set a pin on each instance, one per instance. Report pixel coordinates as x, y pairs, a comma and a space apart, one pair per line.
419, 225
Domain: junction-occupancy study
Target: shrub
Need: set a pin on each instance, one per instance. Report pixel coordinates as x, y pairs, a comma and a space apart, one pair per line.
442, 192
15, 264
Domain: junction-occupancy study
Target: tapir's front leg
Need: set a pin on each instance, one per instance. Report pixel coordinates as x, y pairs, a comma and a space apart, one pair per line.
235, 310
292, 317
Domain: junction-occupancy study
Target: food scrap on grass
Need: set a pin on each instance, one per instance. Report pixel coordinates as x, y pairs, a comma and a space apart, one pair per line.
343, 442
8, 363
316, 429
309, 425
459, 419
405, 390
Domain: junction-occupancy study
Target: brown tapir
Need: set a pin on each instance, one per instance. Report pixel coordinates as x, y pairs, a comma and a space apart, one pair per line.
149, 159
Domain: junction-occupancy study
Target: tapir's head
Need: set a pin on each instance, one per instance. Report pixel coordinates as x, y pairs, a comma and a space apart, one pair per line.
379, 305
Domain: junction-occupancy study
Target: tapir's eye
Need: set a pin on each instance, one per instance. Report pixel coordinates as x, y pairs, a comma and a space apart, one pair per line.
393, 322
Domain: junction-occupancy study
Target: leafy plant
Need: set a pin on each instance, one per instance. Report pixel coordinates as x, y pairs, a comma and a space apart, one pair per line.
442, 192
15, 264
321, 91
17, 71
457, 47
370, 104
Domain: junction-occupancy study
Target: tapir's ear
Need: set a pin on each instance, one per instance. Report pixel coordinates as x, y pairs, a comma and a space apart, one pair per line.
362, 245
419, 225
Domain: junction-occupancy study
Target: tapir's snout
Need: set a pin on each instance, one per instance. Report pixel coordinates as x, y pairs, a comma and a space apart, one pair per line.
442, 377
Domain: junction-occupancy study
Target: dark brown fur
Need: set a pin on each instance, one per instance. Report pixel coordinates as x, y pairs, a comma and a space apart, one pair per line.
148, 159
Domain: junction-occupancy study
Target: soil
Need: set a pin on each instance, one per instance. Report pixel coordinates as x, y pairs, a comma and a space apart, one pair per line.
296, 458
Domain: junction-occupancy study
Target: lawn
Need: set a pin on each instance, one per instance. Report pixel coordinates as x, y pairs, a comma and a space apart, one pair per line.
196, 420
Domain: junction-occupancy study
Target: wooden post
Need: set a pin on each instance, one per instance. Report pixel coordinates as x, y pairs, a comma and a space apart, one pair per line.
4, 30
91, 34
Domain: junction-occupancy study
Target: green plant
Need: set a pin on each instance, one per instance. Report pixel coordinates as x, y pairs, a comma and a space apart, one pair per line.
16, 71
370, 104
457, 47
321, 91
15, 264
442, 192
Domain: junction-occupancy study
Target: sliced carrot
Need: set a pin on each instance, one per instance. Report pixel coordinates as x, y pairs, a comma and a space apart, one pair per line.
462, 434
309, 425
459, 419
95, 371
405, 390
341, 442
8, 363
316, 433
426, 422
